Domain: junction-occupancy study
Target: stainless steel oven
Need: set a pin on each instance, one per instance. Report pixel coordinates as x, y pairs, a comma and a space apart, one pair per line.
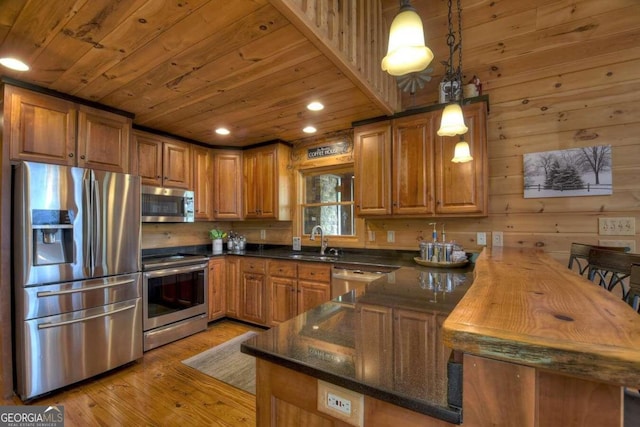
175, 300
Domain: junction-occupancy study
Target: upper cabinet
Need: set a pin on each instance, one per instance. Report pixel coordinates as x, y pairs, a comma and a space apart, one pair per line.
413, 162
162, 161
47, 129
372, 154
202, 165
267, 183
227, 184
462, 188
404, 168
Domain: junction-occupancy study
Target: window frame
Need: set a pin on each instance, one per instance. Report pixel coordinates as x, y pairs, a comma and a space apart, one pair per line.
355, 240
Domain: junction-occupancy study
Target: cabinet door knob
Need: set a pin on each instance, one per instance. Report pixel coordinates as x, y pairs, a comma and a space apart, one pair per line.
166, 177
82, 157
70, 154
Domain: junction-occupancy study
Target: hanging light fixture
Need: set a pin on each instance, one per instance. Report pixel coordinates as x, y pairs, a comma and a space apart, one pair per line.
461, 152
407, 52
452, 119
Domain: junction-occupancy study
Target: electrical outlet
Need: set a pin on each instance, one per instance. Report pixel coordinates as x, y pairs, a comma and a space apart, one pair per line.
496, 237
341, 403
617, 226
631, 244
481, 238
297, 244
391, 236
263, 234
372, 236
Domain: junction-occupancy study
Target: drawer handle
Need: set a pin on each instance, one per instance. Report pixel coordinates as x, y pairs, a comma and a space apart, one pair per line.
83, 319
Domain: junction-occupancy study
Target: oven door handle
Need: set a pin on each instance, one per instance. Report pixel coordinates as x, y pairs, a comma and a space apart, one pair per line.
87, 289
84, 319
175, 270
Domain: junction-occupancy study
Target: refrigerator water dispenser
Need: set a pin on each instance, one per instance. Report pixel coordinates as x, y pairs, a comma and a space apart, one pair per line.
52, 237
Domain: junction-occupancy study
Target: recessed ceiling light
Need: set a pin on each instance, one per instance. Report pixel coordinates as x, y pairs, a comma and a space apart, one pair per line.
309, 129
315, 106
222, 131
14, 64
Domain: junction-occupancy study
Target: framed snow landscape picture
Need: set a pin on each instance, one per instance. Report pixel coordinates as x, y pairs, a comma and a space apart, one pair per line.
566, 173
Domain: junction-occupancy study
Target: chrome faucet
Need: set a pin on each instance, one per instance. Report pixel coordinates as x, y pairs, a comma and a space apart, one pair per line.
323, 241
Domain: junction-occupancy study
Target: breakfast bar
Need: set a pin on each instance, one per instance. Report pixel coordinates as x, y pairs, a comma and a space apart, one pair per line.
529, 342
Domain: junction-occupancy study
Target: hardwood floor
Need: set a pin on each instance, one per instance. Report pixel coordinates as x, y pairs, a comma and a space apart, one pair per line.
159, 390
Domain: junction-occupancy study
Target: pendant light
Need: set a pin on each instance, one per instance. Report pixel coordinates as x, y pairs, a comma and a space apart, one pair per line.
461, 152
407, 52
452, 119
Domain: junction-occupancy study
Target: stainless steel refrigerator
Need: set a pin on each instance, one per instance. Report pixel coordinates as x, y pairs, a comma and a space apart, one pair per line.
77, 286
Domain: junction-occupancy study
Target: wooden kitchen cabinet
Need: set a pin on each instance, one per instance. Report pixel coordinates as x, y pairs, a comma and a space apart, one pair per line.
427, 355
314, 285
462, 188
412, 165
232, 290
267, 182
227, 184
295, 287
47, 129
372, 167
202, 165
217, 293
282, 285
394, 343
162, 161
413, 175
374, 342
253, 283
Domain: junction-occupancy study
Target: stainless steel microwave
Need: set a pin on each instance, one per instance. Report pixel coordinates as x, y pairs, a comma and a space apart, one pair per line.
161, 204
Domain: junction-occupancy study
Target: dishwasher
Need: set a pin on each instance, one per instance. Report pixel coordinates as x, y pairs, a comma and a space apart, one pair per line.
346, 278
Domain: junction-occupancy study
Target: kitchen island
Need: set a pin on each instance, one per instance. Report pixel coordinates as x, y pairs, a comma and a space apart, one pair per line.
540, 346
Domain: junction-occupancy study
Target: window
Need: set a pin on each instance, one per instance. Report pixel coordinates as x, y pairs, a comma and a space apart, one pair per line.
328, 201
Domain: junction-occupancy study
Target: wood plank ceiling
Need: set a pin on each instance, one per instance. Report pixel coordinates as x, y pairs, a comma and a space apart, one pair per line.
185, 67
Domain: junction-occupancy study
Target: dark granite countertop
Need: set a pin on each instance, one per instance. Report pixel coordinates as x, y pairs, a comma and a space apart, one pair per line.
386, 343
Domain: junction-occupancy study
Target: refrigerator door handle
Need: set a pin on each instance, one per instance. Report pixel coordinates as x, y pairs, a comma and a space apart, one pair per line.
87, 226
96, 231
87, 289
84, 319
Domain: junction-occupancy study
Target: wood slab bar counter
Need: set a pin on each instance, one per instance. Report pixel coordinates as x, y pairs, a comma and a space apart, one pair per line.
543, 346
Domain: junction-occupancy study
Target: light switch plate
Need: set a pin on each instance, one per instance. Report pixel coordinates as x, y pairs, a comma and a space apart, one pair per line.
391, 236
496, 237
481, 238
623, 226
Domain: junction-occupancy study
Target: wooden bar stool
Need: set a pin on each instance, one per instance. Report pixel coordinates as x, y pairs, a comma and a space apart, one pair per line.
610, 268
580, 253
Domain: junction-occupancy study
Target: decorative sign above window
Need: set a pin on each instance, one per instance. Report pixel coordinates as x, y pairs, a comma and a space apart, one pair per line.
334, 149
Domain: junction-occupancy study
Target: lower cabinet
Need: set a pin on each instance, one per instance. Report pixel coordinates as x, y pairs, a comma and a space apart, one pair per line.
295, 288
217, 279
268, 292
253, 307
389, 353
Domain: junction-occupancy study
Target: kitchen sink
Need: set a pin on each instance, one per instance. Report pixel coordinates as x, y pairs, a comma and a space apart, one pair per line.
312, 257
